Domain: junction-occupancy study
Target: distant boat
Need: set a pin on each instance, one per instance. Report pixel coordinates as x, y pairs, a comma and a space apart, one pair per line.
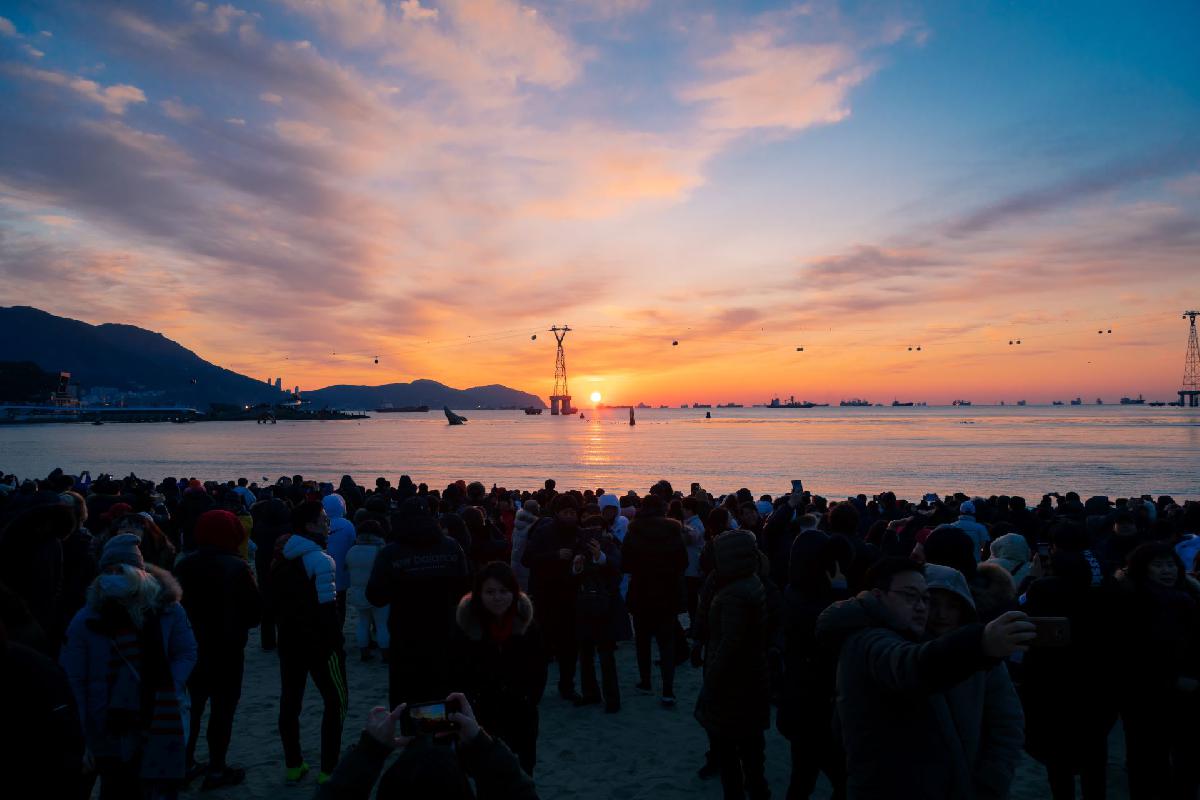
1133, 401
792, 403
1077, 401
533, 410
1057, 403
452, 418
961, 403
664, 406
730, 405
1020, 402
854, 402
1156, 403
390, 409
898, 404
1099, 402
701, 405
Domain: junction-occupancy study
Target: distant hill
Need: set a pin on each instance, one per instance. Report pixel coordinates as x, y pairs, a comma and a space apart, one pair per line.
421, 393
132, 359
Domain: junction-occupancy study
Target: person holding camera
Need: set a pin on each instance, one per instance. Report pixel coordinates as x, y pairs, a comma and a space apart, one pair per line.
425, 770
598, 613
499, 661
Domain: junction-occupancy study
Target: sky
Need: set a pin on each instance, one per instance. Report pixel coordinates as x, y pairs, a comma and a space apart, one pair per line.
298, 188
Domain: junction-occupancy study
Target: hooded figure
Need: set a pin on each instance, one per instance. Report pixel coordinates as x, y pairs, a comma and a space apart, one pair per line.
422, 575
341, 539
734, 703
967, 524
360, 561
128, 654
1011, 551
526, 517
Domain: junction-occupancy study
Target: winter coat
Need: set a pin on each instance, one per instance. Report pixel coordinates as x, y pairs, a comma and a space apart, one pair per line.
693, 539
341, 538
655, 555
778, 535
806, 710
735, 698
89, 659
550, 580
900, 729
221, 599
303, 596
272, 520
80, 568
978, 533
600, 614
1011, 551
42, 739
524, 521
360, 560
1068, 701
503, 681
421, 575
31, 564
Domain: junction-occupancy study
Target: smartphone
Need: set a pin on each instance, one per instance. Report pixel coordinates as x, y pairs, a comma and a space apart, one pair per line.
428, 718
1044, 550
797, 486
1051, 631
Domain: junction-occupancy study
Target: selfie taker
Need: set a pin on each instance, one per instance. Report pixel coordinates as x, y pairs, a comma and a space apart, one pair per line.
424, 768
898, 693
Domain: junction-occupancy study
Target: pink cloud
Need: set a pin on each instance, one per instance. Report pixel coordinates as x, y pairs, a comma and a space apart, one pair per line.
114, 99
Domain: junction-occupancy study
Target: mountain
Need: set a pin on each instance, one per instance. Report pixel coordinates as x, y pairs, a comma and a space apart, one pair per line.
132, 359
421, 393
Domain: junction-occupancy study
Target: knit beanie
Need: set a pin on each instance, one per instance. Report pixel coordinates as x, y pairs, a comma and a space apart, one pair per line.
122, 549
219, 529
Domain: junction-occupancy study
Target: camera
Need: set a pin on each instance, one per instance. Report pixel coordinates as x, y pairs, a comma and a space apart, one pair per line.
429, 719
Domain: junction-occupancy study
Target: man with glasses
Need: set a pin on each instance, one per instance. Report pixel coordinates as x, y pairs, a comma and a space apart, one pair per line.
900, 737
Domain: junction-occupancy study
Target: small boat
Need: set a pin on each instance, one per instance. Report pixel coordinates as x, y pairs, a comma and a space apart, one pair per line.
1156, 403
1078, 401
452, 418
708, 415
533, 410
1057, 403
961, 402
898, 404
1020, 402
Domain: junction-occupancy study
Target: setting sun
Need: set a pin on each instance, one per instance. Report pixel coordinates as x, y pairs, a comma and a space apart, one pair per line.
595, 397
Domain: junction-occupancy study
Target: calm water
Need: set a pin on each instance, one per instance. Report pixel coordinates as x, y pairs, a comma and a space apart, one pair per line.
1111, 450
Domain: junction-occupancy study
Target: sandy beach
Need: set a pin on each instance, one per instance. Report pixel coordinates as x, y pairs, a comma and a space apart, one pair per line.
645, 751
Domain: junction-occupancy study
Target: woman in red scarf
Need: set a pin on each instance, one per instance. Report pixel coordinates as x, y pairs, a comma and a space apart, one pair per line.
500, 664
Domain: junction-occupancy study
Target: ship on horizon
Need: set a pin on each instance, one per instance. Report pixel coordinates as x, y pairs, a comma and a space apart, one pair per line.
1133, 401
961, 403
855, 402
793, 403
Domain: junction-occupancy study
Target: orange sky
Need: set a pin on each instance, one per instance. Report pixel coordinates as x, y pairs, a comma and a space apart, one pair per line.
293, 188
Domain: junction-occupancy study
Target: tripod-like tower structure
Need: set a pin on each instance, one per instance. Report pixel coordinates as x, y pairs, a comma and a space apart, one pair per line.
560, 400
1189, 393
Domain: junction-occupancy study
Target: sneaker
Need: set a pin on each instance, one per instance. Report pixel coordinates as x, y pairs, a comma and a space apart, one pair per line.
667, 700
293, 775
323, 778
230, 776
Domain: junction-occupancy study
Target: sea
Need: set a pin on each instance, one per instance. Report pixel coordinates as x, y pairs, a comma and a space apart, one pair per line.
837, 451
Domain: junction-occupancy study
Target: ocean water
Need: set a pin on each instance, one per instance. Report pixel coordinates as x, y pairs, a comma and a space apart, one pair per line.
1113, 450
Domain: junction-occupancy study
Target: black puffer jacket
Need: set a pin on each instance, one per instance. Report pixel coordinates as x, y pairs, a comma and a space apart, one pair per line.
655, 556
221, 599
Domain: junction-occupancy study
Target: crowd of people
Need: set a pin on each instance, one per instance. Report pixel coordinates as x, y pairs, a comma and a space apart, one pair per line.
903, 649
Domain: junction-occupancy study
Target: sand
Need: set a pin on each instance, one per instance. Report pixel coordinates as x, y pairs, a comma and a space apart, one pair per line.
644, 751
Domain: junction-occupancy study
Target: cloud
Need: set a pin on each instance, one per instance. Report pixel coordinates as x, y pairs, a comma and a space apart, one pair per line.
114, 99
32, 51
7, 28
178, 111
300, 132
869, 264
1080, 186
413, 10
270, 97
761, 82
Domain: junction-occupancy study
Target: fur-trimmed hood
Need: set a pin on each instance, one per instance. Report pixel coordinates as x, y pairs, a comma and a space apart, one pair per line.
469, 624
161, 590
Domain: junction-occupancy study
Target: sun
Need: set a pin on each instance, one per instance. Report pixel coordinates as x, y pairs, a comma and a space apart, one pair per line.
595, 397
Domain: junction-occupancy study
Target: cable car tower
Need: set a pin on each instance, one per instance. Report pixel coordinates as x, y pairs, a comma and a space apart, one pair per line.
1189, 393
560, 400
